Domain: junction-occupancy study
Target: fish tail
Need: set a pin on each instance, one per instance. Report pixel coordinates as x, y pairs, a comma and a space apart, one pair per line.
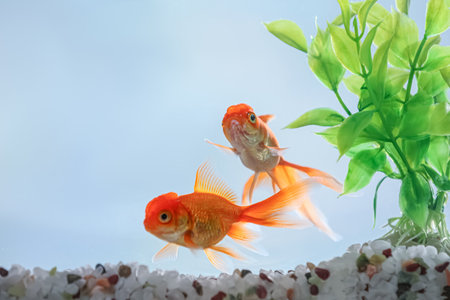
284, 175
270, 212
321, 177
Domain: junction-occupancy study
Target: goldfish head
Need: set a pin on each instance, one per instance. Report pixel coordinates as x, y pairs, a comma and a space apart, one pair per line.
166, 218
241, 123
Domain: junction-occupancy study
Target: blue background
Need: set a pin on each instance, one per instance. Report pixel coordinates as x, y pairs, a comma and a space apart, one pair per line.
106, 104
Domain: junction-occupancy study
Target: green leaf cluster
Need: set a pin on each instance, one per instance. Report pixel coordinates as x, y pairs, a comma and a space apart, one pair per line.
391, 129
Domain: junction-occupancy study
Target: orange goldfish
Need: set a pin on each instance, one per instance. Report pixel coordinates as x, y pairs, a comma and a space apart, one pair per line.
200, 220
257, 147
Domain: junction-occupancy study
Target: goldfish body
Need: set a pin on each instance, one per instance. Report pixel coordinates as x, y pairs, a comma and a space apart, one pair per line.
203, 218
257, 147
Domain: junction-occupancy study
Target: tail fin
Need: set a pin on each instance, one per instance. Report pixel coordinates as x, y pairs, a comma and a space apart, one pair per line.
285, 176
269, 212
322, 177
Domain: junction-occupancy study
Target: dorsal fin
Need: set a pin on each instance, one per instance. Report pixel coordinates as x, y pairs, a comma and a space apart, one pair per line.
266, 118
206, 182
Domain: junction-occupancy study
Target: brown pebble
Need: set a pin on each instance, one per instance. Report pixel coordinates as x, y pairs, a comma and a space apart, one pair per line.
124, 271
322, 273
245, 272
423, 270
72, 278
371, 270
411, 267
261, 292
198, 287
387, 252
103, 282
100, 268
219, 296
314, 290
293, 276
265, 277
440, 268
3, 272
290, 294
113, 279
310, 266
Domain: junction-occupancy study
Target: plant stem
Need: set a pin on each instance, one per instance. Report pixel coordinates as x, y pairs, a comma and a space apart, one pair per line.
341, 102
413, 68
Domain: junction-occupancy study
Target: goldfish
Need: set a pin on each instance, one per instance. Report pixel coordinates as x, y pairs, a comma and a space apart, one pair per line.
201, 220
258, 149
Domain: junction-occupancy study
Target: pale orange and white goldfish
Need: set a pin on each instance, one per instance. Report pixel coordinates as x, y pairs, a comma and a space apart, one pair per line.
257, 147
200, 220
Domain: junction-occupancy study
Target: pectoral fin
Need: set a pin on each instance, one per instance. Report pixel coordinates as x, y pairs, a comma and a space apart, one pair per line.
266, 118
276, 151
244, 236
222, 147
169, 251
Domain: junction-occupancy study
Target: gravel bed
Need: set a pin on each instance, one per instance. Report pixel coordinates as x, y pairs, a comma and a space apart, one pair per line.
374, 270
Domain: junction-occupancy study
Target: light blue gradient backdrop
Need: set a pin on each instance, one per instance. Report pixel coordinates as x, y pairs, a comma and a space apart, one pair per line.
105, 105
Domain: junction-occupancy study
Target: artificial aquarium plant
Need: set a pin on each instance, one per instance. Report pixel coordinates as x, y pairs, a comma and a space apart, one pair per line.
401, 125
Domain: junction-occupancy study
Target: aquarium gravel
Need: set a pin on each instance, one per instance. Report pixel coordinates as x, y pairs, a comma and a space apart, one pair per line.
374, 270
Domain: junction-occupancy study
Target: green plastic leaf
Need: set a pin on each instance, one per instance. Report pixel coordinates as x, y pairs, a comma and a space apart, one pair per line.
439, 152
395, 80
351, 128
377, 14
365, 54
441, 97
406, 37
344, 48
387, 28
440, 119
441, 182
356, 148
445, 73
438, 58
415, 194
415, 150
375, 130
437, 17
330, 135
346, 14
354, 83
323, 61
363, 12
378, 75
375, 200
416, 117
391, 108
402, 6
430, 42
288, 32
361, 168
431, 82
318, 116
398, 61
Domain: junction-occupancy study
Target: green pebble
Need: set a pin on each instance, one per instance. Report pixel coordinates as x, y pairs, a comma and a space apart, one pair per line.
52, 271
250, 291
17, 290
362, 262
377, 259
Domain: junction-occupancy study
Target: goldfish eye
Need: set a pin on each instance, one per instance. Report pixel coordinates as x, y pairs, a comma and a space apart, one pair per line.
252, 117
165, 217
